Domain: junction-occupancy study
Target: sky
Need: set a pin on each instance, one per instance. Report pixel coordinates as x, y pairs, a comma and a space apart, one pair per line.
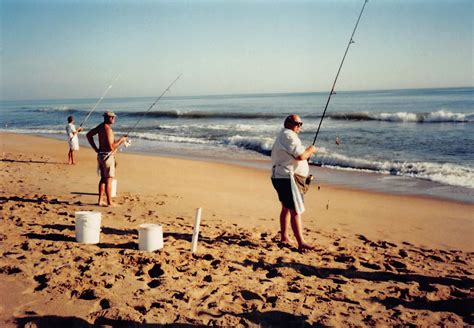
74, 49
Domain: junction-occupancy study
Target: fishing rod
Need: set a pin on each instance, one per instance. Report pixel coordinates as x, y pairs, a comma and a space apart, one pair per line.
99, 101
351, 41
152, 105
127, 143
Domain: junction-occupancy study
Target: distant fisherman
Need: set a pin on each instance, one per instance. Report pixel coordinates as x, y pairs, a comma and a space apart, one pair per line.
73, 140
105, 155
290, 169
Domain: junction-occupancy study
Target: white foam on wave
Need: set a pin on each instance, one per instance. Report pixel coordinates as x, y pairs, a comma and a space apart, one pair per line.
220, 127
395, 117
445, 116
446, 173
55, 109
433, 117
168, 138
34, 131
259, 144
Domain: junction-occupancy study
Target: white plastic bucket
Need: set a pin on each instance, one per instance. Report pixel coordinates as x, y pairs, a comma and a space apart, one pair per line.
88, 227
114, 188
150, 237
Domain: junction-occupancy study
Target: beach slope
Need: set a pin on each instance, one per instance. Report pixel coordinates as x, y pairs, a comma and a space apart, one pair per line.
381, 259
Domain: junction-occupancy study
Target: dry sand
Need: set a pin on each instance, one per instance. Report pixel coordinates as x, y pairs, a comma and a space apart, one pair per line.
381, 259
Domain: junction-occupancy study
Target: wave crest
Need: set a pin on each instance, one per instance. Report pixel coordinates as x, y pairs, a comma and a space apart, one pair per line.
446, 173
440, 116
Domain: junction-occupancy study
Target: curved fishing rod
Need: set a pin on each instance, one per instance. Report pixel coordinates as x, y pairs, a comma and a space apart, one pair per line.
351, 41
152, 105
127, 143
98, 101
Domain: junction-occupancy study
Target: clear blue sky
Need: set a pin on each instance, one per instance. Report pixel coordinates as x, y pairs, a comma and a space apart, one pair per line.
73, 49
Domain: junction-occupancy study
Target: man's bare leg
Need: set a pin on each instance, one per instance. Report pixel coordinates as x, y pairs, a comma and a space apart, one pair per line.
297, 227
284, 224
101, 192
108, 192
69, 157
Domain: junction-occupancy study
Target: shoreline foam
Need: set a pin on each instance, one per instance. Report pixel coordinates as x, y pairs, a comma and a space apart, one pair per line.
415, 184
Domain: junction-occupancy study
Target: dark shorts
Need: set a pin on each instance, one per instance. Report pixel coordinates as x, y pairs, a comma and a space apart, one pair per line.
283, 188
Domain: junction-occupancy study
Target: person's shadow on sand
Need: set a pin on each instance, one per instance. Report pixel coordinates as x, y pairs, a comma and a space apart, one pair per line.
271, 319
52, 321
30, 161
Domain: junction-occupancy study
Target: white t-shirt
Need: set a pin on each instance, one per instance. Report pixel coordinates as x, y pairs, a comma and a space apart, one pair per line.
287, 146
72, 138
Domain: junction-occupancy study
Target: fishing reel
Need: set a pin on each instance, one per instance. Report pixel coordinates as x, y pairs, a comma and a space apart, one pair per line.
127, 143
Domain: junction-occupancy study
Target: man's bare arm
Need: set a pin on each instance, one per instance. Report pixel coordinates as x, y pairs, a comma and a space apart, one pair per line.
90, 137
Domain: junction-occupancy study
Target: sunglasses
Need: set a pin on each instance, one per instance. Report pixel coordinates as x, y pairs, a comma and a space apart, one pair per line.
300, 124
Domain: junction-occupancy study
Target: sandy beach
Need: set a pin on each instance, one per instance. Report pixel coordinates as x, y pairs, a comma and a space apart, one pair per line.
381, 259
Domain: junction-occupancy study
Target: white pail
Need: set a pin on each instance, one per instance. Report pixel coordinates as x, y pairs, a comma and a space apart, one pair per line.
150, 237
114, 188
88, 227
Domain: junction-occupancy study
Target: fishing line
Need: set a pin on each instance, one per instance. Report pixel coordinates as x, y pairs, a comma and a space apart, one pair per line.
351, 41
128, 142
100, 99
152, 105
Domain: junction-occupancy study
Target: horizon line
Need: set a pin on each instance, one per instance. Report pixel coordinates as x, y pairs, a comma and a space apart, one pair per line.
248, 94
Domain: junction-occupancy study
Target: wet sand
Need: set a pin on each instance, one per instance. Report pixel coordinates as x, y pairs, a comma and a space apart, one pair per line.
381, 259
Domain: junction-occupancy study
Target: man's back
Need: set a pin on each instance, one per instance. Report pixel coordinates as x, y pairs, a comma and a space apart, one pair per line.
105, 135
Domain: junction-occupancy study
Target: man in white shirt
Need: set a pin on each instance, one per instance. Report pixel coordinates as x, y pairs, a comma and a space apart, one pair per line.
73, 140
290, 157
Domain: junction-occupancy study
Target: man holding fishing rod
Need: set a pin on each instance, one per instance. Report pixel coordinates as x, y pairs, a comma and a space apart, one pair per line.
73, 139
290, 167
290, 173
105, 155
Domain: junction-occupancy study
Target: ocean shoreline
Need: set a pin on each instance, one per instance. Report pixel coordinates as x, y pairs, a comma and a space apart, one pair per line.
424, 135
336, 177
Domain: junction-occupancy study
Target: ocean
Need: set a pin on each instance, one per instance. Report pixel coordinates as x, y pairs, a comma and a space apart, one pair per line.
413, 141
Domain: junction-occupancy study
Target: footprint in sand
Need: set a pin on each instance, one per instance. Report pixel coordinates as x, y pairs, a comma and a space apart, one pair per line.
42, 282
104, 304
10, 270
343, 258
273, 273
156, 271
436, 258
399, 266
88, 294
154, 283
373, 266
248, 295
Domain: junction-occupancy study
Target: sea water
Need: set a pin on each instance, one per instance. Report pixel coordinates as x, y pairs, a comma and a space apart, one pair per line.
414, 141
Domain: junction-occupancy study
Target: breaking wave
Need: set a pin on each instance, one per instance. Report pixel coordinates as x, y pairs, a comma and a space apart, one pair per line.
260, 145
446, 173
440, 116
62, 109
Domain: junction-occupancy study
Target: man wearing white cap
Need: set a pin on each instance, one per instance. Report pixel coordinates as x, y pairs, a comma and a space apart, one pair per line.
105, 155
